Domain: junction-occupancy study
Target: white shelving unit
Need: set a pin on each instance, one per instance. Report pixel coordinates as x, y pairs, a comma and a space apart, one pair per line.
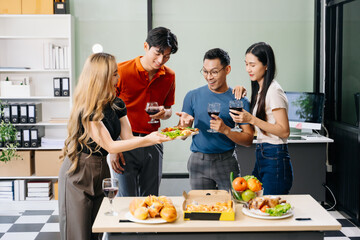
23, 39
23, 53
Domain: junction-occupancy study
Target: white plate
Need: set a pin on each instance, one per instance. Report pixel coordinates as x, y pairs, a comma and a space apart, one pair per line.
185, 137
258, 214
157, 220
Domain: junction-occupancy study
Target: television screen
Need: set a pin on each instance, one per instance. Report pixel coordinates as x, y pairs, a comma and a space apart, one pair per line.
305, 107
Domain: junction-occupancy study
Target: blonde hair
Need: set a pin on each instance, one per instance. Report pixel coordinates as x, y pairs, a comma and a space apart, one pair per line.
93, 92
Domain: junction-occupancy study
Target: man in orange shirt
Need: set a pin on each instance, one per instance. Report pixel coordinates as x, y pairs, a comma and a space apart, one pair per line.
142, 80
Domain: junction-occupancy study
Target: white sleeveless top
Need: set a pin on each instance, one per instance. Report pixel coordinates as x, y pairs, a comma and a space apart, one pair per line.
275, 98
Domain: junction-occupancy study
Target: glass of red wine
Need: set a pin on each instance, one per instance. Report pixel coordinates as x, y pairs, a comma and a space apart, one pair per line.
151, 109
110, 187
238, 106
213, 108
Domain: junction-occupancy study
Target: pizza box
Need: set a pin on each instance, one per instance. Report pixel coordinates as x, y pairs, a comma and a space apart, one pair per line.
208, 197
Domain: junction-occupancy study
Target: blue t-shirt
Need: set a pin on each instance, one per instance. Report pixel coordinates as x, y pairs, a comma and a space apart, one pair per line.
195, 104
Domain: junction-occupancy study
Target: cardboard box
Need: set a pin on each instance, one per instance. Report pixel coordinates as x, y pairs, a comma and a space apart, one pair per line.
10, 6
56, 190
21, 167
208, 197
37, 7
47, 163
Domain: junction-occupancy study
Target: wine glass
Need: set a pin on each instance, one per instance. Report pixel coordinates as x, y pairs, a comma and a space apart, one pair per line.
151, 109
213, 108
238, 106
110, 187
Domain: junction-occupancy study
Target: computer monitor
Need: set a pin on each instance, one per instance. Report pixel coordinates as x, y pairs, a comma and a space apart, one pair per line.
305, 110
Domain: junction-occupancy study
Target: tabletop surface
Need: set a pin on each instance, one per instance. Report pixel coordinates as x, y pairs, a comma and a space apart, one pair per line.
304, 206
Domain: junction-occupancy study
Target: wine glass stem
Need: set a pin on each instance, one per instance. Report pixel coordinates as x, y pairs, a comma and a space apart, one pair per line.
111, 205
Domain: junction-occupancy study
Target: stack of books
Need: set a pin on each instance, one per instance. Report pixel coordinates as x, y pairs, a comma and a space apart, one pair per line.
39, 190
6, 190
19, 190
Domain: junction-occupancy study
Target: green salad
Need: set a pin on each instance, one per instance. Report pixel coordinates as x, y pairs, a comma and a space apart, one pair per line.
278, 210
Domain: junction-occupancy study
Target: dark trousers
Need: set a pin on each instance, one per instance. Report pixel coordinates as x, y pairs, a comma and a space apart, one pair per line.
212, 171
143, 171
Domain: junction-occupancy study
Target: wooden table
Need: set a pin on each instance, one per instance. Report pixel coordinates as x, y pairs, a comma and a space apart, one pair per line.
243, 226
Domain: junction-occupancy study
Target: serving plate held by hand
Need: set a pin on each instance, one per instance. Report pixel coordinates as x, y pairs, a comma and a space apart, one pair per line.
259, 214
185, 137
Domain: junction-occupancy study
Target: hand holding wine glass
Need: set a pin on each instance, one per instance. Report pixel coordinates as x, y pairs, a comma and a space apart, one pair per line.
151, 109
110, 187
236, 105
213, 108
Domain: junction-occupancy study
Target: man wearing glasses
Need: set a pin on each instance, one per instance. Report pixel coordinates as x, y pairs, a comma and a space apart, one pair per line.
213, 152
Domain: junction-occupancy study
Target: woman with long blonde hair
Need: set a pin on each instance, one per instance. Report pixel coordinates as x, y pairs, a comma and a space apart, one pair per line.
97, 119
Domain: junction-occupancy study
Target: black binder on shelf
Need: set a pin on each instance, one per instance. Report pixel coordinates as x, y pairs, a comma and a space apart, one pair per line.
34, 112
35, 136
65, 90
25, 141
23, 113
6, 113
14, 113
57, 87
18, 137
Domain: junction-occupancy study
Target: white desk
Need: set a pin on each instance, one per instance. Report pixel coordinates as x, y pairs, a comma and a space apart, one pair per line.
243, 226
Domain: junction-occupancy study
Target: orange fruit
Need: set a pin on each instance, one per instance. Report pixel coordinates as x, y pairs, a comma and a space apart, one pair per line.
239, 184
254, 184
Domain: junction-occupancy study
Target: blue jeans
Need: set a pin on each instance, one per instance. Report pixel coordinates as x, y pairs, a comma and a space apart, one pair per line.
273, 168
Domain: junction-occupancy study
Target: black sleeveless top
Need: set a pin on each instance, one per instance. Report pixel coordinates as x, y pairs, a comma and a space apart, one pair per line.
112, 124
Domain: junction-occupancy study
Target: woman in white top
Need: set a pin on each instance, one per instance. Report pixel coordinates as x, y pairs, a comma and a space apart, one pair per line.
269, 108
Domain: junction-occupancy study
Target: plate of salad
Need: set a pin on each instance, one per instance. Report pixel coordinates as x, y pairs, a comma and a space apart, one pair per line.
268, 207
179, 132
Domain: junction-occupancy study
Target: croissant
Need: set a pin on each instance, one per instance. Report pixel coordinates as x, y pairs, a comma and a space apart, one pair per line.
155, 208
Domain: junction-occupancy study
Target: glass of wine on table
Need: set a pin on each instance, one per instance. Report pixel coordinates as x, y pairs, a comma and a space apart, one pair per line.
151, 109
110, 187
213, 108
236, 105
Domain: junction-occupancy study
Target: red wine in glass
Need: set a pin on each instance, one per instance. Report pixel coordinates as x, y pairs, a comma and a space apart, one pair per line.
238, 106
110, 192
213, 108
215, 113
151, 109
236, 109
110, 187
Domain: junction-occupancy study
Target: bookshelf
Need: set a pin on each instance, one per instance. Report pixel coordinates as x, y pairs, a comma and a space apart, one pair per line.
24, 41
25, 45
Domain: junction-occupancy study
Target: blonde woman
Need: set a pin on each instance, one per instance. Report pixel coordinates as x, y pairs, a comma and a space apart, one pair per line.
97, 119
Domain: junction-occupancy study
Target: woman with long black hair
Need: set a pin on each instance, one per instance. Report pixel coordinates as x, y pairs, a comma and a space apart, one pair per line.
269, 116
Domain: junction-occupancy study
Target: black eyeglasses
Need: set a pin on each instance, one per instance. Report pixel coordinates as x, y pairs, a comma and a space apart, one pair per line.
212, 73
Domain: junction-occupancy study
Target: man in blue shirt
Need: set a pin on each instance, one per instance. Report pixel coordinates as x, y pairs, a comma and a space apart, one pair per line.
213, 156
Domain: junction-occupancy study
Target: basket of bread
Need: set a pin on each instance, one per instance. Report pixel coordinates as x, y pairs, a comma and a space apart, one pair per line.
154, 209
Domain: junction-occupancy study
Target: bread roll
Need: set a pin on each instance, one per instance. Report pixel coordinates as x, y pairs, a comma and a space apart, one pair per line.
136, 203
168, 214
141, 213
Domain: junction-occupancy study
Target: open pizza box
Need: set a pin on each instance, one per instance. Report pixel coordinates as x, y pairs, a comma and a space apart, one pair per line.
208, 197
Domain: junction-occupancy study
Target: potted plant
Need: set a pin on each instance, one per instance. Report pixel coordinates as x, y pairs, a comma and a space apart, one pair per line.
7, 140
